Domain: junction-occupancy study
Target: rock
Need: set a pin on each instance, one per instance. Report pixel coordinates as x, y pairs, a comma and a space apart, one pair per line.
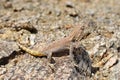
82, 64
69, 4
115, 71
8, 5
111, 62
2, 70
7, 48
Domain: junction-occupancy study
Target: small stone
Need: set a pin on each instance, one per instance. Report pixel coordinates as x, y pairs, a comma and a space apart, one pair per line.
109, 44
8, 5
102, 51
3, 71
94, 50
8, 76
69, 4
32, 39
111, 62
105, 73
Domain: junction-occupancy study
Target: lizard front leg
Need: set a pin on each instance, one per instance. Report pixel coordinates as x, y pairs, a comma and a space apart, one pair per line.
49, 56
72, 45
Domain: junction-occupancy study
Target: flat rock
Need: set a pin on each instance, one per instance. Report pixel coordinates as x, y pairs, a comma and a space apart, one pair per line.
7, 48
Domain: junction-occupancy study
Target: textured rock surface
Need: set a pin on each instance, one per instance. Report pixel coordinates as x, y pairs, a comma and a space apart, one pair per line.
31, 21
7, 48
82, 65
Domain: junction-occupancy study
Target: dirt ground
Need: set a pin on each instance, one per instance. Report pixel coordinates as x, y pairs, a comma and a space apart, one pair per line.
44, 21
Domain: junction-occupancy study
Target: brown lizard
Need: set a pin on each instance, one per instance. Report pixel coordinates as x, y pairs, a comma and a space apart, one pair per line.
55, 46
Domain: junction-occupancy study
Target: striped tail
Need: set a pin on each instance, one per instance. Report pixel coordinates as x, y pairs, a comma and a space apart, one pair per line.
32, 52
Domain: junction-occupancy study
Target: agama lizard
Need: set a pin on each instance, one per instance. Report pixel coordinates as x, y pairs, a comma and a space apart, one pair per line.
55, 46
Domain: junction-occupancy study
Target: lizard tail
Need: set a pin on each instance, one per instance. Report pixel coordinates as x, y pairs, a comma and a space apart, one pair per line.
32, 52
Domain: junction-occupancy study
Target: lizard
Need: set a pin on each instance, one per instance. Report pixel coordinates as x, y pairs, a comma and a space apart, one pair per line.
57, 45
69, 42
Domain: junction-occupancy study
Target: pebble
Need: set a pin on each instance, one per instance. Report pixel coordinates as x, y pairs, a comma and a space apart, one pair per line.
32, 39
69, 4
111, 62
3, 71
